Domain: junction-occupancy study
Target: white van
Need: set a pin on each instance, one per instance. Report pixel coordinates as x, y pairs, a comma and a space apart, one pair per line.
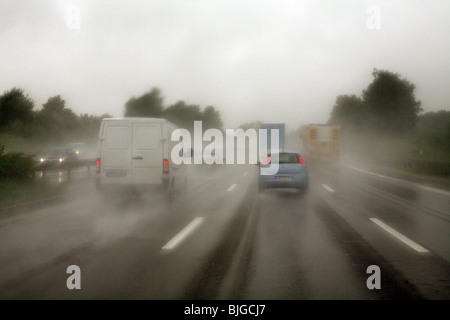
135, 152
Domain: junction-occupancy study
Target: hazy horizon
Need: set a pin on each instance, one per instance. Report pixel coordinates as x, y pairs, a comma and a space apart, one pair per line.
273, 61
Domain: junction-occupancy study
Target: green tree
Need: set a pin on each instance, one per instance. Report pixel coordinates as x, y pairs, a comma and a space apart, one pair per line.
15, 106
250, 125
183, 115
54, 120
211, 118
88, 126
390, 102
438, 119
349, 112
149, 104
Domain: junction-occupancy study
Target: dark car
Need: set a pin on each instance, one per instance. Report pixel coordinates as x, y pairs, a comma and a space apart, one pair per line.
58, 156
80, 148
292, 172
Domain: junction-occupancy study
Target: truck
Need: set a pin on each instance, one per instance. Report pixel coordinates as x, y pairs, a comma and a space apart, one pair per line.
134, 155
321, 141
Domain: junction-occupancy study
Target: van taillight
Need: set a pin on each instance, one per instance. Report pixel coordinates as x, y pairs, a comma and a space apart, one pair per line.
165, 166
97, 165
300, 159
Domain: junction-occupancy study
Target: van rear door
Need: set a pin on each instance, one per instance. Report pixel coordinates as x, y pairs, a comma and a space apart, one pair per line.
116, 152
146, 154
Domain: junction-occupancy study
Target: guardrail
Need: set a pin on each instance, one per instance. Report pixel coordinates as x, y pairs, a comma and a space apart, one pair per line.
65, 166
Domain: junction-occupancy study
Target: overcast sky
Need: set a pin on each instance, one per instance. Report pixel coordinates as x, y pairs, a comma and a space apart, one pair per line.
274, 61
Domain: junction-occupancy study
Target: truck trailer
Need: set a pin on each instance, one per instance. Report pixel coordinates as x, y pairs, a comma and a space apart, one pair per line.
321, 141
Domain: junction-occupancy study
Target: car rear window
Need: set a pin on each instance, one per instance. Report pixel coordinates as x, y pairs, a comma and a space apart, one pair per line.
289, 158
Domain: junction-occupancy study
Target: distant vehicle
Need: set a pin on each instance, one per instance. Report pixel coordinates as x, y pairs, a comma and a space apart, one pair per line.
321, 141
281, 134
292, 172
79, 148
58, 156
135, 154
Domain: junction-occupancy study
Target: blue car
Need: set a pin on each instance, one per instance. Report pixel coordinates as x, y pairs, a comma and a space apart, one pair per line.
292, 172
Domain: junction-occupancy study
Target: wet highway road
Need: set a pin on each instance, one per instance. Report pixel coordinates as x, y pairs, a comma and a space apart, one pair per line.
224, 240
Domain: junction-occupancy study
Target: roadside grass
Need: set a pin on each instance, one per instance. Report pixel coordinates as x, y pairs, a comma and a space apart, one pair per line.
426, 150
433, 142
14, 143
13, 192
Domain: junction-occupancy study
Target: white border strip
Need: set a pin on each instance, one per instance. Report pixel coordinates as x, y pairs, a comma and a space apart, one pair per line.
399, 236
183, 234
430, 189
327, 188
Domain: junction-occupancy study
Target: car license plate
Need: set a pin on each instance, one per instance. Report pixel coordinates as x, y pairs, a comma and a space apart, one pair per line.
114, 173
284, 178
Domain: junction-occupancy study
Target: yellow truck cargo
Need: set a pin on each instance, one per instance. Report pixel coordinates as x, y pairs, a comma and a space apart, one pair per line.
321, 141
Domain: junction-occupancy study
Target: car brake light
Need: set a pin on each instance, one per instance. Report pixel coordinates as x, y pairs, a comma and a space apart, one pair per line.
300, 159
165, 166
97, 165
266, 160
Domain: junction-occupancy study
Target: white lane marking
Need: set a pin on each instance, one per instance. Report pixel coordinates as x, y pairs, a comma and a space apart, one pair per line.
374, 174
245, 173
231, 187
327, 188
22, 216
446, 193
18, 217
399, 236
183, 234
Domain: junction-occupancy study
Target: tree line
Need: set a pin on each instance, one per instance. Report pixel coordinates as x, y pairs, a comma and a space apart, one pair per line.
57, 123
151, 104
387, 106
436, 119
54, 122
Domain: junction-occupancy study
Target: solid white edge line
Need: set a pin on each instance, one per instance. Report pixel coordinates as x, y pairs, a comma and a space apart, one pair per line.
183, 234
327, 188
431, 189
231, 187
399, 236
374, 174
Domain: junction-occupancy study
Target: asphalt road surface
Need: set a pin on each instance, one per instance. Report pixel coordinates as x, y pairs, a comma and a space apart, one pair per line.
221, 239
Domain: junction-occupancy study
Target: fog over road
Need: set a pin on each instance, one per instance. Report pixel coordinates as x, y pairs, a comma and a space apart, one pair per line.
224, 240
